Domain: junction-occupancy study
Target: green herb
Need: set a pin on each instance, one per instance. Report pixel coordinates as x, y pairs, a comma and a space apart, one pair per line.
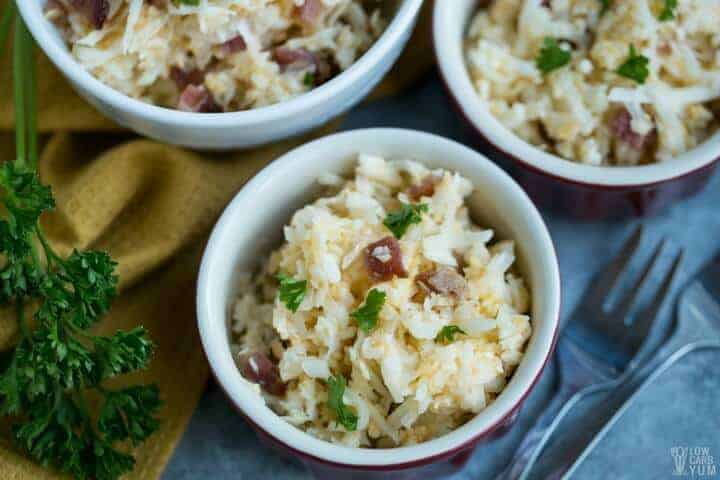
46, 381
398, 222
551, 56
635, 67
668, 12
345, 416
192, 3
309, 79
367, 315
606, 4
292, 292
447, 334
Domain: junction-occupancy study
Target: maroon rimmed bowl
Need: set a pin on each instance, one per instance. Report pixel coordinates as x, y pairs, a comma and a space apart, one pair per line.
583, 191
251, 227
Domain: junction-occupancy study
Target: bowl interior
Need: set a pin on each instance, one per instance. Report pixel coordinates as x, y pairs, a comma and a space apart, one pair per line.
252, 225
449, 29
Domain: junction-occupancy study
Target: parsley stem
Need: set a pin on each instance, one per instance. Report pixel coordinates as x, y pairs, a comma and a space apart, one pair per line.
18, 83
5, 22
50, 254
20, 309
31, 99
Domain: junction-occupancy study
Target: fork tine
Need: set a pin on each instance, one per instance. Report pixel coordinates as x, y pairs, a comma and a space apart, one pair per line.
644, 326
624, 306
608, 278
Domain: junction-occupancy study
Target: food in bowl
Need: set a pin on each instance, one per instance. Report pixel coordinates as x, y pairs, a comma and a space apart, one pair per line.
387, 317
216, 55
600, 82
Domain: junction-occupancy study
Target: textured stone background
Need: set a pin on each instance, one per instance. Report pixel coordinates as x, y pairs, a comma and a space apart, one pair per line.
682, 408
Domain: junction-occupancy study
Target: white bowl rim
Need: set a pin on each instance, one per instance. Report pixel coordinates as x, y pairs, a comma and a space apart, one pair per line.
455, 75
304, 444
42, 29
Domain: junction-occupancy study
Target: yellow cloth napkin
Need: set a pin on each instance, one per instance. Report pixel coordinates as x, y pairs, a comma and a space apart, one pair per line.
151, 206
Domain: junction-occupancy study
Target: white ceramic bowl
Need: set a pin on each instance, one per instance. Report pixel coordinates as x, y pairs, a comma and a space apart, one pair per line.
233, 129
252, 225
635, 190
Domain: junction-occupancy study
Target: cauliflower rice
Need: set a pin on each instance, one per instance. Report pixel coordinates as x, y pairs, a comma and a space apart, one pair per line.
216, 55
586, 111
405, 383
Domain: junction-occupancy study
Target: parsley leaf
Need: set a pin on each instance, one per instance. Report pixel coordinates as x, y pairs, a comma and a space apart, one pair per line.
551, 56
447, 334
399, 222
635, 67
309, 79
606, 4
292, 292
45, 381
192, 3
367, 315
668, 12
345, 416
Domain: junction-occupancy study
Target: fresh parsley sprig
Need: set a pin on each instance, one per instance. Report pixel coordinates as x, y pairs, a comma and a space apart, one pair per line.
292, 292
447, 334
336, 389
367, 315
605, 6
409, 214
57, 364
551, 56
635, 67
668, 11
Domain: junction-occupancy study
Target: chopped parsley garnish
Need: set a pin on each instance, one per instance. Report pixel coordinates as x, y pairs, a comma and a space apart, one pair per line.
292, 292
447, 334
367, 315
58, 366
399, 222
635, 67
345, 416
191, 3
551, 56
668, 11
309, 79
606, 4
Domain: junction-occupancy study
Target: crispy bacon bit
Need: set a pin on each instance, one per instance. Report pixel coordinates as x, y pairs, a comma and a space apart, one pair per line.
384, 259
546, 4
96, 11
300, 59
197, 99
309, 11
235, 44
444, 280
622, 127
183, 78
258, 368
426, 188
158, 3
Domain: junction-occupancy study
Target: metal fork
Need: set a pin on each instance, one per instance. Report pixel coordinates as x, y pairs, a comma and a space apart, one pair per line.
618, 344
697, 327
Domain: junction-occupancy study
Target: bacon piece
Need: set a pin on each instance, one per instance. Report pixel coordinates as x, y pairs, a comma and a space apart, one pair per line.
96, 11
158, 3
309, 11
426, 188
300, 59
258, 368
622, 127
546, 4
293, 58
183, 78
444, 280
197, 99
235, 44
384, 259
